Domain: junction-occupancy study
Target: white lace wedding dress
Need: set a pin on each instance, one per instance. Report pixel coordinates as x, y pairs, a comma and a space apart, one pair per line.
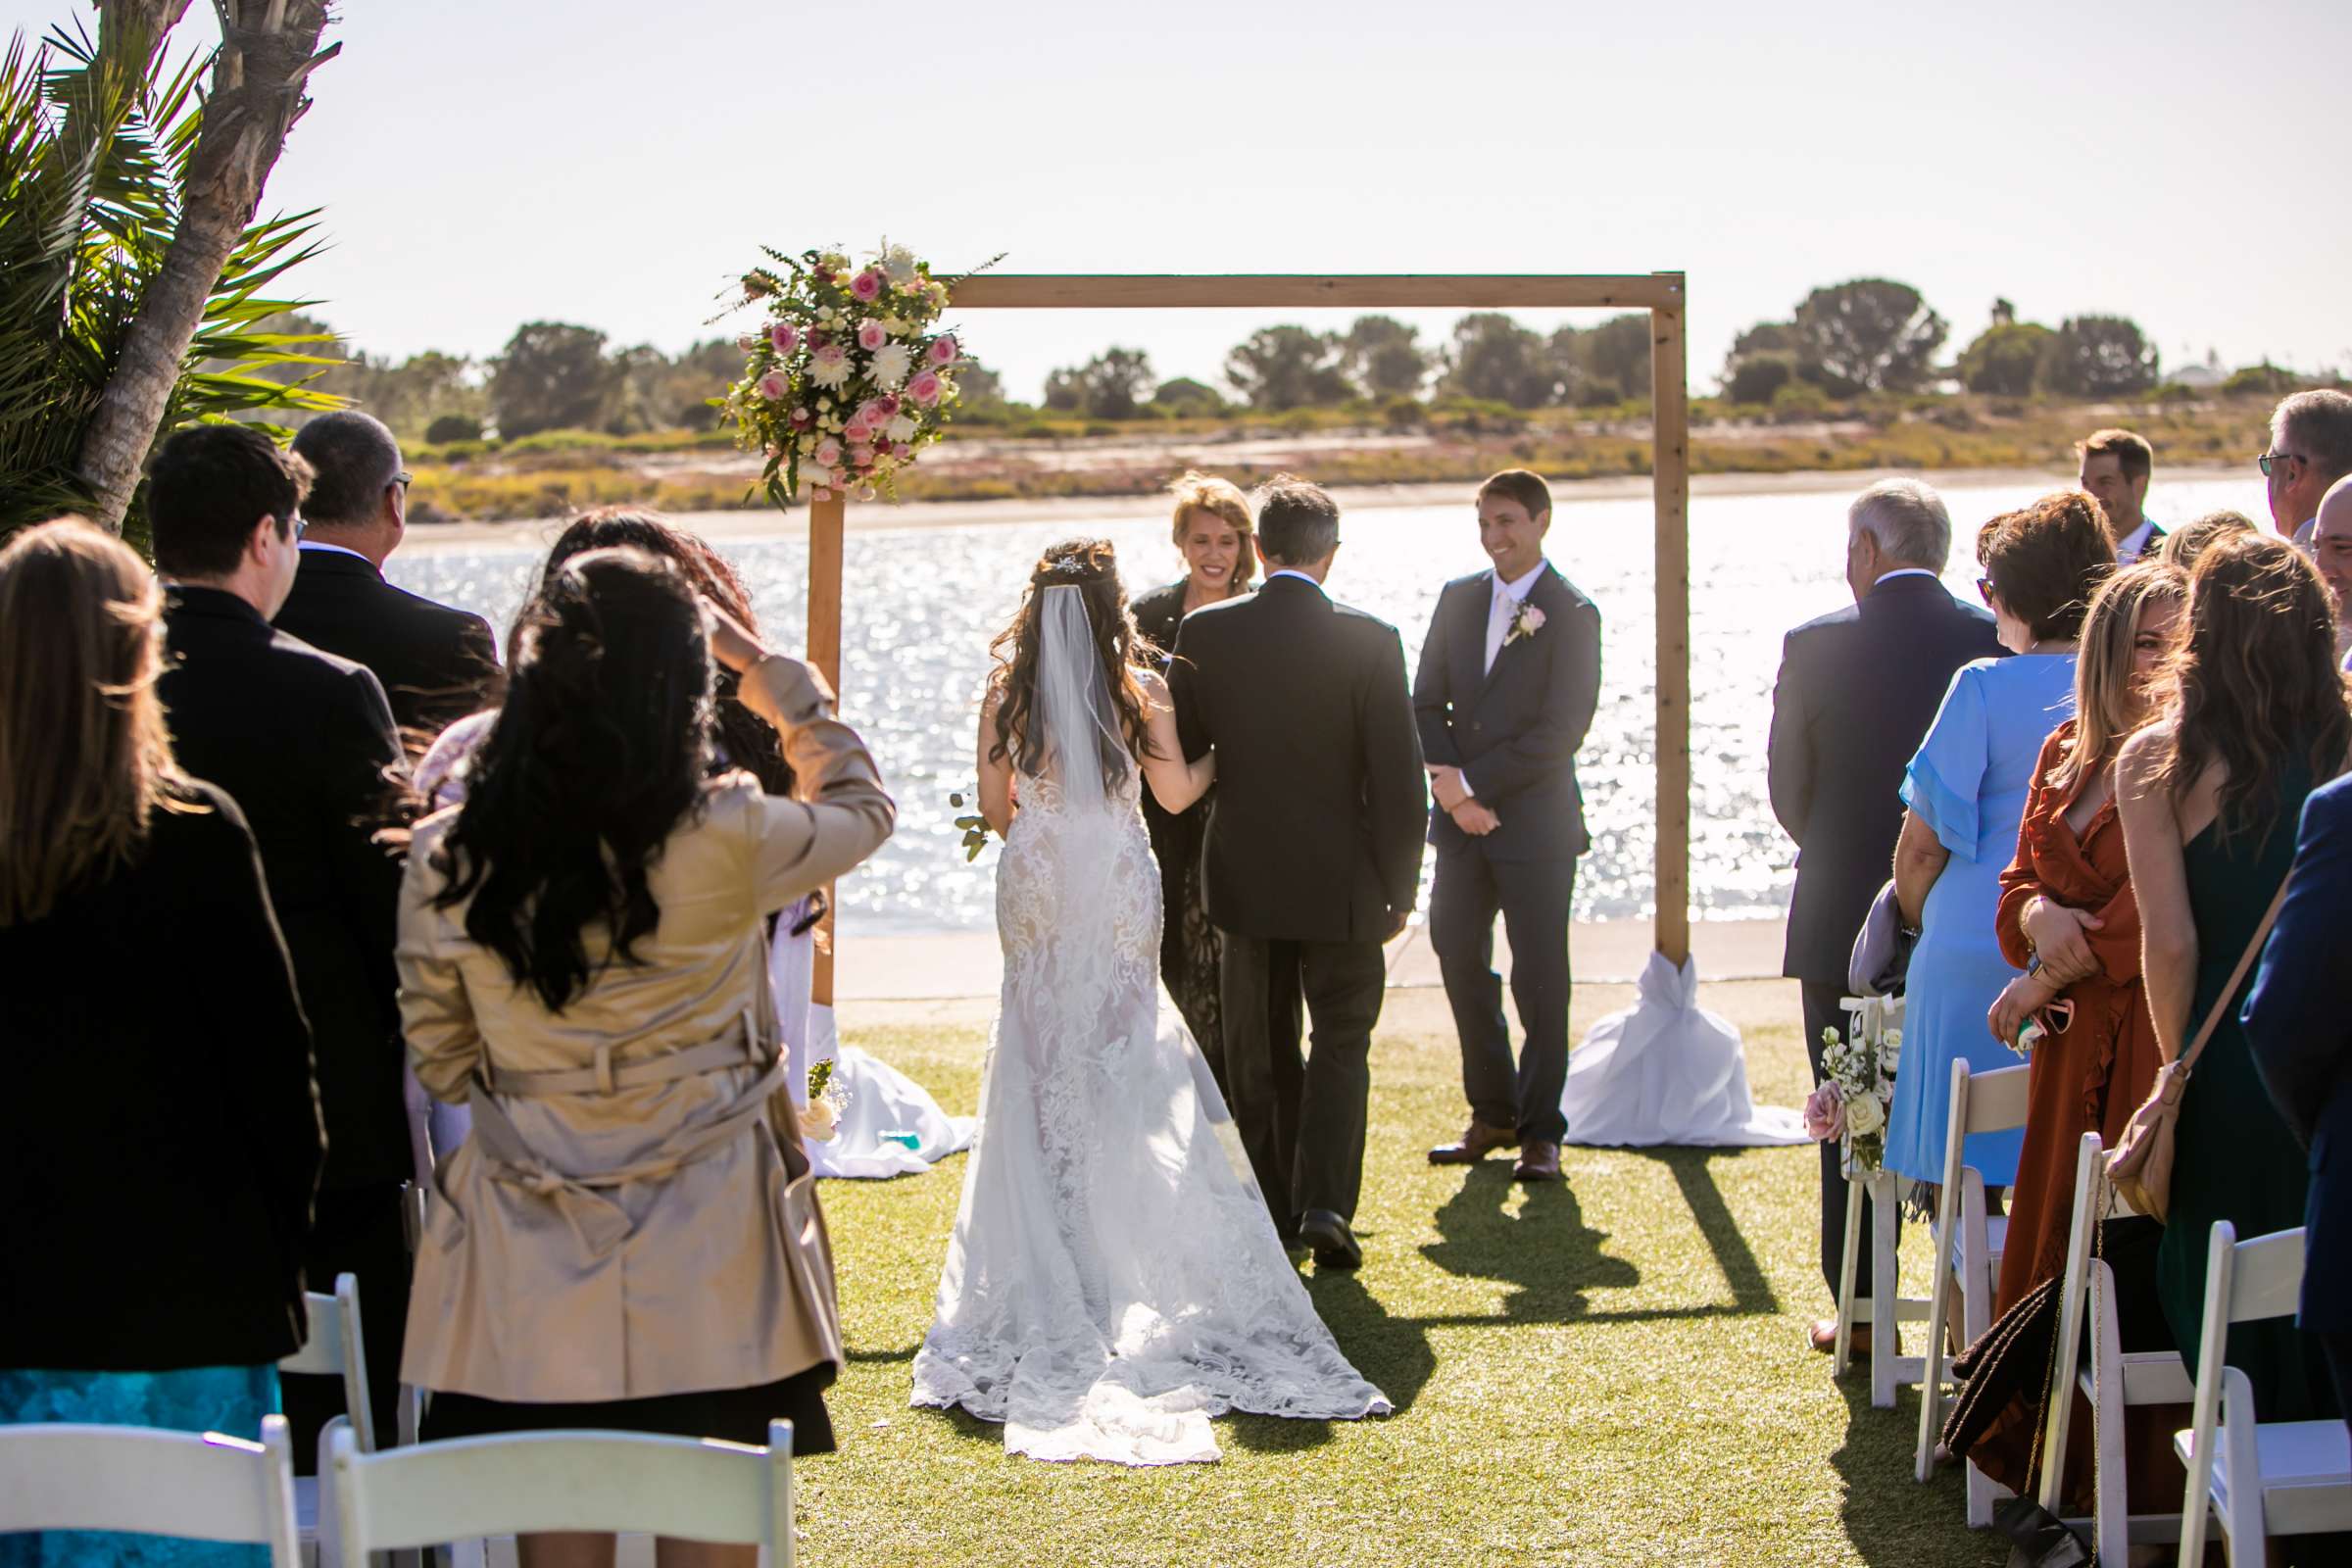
1114, 1279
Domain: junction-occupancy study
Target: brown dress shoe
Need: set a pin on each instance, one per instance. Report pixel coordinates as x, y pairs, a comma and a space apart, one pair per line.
1478, 1142
1538, 1161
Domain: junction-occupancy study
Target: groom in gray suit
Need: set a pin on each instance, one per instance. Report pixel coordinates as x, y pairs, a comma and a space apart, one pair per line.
1509, 682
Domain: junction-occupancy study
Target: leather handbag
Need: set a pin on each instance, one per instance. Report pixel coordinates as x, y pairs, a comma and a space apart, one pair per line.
2140, 1165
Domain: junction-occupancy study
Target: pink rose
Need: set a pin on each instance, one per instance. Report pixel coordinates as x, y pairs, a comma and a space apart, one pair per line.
856, 433
748, 342
882, 444
870, 414
838, 479
818, 492
861, 457
828, 453
785, 336
943, 348
870, 336
802, 416
925, 388
1825, 1113
867, 286
886, 406
774, 386
831, 354
1532, 619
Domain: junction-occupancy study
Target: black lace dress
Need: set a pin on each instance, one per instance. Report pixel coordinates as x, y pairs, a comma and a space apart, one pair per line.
1189, 947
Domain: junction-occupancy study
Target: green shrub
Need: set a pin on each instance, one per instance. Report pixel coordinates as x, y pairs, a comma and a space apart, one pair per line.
448, 427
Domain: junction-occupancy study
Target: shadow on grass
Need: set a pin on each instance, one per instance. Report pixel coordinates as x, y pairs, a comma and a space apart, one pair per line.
1555, 1259
882, 1358
1885, 1526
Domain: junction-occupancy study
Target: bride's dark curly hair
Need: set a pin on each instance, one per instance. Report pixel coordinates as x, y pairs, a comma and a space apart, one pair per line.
1089, 565
599, 753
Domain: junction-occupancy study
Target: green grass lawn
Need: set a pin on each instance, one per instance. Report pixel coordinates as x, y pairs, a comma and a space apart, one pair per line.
1612, 1371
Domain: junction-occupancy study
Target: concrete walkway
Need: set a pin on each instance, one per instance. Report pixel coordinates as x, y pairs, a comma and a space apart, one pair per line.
967, 963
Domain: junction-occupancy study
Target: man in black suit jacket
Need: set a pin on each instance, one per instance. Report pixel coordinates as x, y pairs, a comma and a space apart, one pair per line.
1508, 681
303, 742
2301, 1038
436, 664
1314, 854
1858, 689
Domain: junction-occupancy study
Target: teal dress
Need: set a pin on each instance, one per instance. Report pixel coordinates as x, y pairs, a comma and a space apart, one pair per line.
230, 1399
2233, 1158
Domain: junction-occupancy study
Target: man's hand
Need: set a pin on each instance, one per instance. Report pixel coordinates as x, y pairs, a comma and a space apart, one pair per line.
1475, 819
1397, 921
1446, 783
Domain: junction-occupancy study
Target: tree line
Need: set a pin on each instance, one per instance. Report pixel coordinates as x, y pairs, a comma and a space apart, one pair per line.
1839, 341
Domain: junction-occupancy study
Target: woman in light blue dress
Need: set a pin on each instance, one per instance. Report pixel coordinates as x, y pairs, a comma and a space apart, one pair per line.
1966, 790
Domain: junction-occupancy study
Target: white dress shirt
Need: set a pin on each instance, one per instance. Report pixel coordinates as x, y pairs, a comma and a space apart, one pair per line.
323, 547
1292, 571
1509, 597
2136, 543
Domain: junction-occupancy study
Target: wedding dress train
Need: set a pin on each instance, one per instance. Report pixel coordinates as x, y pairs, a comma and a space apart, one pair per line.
1114, 1279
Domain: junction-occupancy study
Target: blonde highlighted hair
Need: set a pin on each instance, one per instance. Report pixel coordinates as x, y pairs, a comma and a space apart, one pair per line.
2107, 706
1222, 498
84, 757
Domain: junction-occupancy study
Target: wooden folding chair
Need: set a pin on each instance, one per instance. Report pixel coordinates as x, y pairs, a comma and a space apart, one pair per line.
2258, 1478
337, 1347
1885, 1308
149, 1482
1968, 1244
591, 1481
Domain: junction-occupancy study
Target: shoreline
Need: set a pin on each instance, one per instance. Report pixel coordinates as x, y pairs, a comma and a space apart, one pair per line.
749, 526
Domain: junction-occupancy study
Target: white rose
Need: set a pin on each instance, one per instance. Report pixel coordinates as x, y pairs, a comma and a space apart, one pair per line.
900, 428
1865, 1115
1891, 1052
818, 1121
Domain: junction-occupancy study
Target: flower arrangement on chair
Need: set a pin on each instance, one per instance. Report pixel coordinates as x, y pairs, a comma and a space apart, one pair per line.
1853, 1101
848, 379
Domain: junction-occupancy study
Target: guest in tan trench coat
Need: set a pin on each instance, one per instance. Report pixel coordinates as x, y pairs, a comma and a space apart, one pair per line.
622, 1243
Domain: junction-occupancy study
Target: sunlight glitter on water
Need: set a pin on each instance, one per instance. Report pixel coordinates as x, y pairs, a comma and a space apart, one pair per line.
923, 602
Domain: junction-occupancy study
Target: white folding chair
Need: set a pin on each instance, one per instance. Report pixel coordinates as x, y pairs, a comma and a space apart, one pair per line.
201, 1484
2110, 1380
1885, 1308
1968, 1245
337, 1347
2258, 1478
592, 1481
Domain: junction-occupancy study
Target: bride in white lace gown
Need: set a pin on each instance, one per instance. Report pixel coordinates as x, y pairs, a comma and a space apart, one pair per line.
1114, 1279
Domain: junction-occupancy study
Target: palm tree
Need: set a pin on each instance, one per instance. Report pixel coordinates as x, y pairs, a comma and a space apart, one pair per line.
103, 195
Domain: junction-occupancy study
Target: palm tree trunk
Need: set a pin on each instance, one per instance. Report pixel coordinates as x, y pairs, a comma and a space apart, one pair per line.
268, 51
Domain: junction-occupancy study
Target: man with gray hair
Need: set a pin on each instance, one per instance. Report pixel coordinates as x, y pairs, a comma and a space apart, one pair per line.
2311, 448
436, 664
1858, 688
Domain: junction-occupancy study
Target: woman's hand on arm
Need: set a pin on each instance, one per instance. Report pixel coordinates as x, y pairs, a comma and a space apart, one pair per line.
1175, 783
2021, 995
1918, 859
2168, 942
2056, 933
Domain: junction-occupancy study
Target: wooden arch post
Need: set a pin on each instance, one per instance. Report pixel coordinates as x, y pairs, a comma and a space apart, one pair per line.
1663, 294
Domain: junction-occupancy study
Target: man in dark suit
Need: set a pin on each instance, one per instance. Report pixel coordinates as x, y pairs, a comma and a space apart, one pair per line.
1858, 689
1509, 677
435, 662
303, 742
2301, 1038
1313, 855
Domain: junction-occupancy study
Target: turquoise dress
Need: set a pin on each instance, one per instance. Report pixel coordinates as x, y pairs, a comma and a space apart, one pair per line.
231, 1400
1968, 783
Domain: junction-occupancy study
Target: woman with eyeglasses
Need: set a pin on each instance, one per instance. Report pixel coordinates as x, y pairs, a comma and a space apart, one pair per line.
1966, 792
2068, 917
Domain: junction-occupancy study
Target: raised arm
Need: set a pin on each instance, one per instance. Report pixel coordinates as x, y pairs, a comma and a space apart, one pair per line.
1175, 783
843, 815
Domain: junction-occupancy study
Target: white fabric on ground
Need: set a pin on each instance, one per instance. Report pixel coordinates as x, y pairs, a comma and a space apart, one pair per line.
1667, 1072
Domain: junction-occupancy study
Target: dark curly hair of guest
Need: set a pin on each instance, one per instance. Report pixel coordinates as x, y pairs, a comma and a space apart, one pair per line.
599, 753
1087, 565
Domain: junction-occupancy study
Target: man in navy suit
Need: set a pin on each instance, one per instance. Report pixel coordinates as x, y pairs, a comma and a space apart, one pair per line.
2301, 1037
1508, 680
1858, 689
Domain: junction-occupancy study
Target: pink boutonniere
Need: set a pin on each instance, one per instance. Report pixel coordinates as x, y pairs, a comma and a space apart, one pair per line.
1526, 621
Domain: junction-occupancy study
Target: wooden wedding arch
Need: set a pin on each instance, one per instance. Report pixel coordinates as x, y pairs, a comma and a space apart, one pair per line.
1661, 294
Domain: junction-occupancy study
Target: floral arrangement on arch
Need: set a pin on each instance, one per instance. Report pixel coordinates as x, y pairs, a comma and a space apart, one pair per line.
849, 381
1853, 1101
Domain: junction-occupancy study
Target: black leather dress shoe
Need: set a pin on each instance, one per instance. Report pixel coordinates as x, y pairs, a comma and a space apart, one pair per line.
1333, 1242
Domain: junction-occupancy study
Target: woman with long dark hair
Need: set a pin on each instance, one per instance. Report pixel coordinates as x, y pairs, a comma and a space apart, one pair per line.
1114, 1278
583, 954
134, 1293
2253, 718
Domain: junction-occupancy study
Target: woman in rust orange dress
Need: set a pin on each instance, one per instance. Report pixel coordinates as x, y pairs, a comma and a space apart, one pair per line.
2067, 910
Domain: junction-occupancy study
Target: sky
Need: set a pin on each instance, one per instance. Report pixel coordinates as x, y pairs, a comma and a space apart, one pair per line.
482, 162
